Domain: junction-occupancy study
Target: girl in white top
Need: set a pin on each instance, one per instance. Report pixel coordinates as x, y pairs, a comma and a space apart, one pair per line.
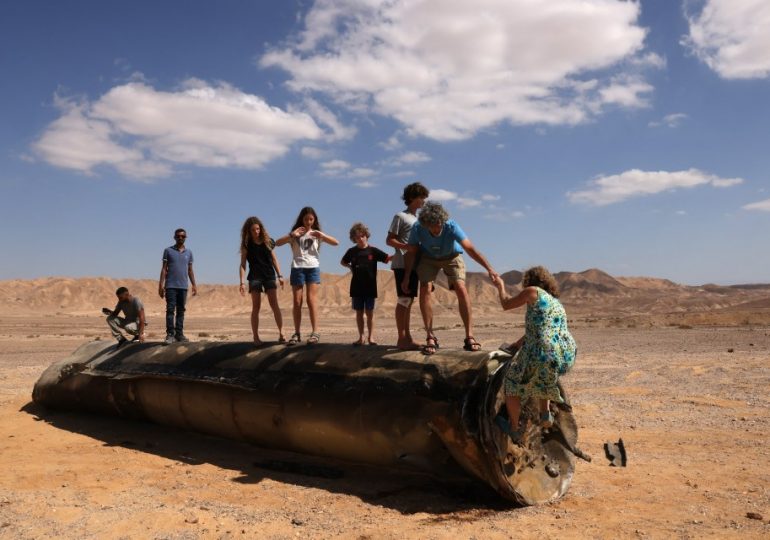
305, 239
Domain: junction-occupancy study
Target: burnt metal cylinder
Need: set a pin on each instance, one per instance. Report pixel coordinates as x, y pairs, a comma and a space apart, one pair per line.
374, 405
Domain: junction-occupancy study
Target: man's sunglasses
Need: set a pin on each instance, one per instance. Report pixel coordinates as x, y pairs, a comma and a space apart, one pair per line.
180, 236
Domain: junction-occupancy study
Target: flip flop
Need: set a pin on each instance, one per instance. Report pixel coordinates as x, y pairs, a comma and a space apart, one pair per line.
294, 339
314, 338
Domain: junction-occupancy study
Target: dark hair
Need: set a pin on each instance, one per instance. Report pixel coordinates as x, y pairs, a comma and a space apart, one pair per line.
121, 290
246, 233
413, 191
358, 227
302, 213
178, 231
539, 276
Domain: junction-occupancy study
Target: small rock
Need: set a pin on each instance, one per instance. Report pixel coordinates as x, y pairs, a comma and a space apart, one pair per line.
203, 508
4, 525
730, 350
191, 520
298, 522
754, 515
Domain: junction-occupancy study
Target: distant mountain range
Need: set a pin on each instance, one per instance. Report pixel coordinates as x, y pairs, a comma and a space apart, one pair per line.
591, 293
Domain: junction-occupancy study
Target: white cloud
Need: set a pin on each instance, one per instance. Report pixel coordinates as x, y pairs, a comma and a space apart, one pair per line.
763, 206
468, 202
681, 212
408, 158
500, 146
490, 198
393, 143
442, 195
366, 184
143, 132
446, 70
337, 131
673, 120
311, 152
615, 188
361, 172
335, 165
732, 37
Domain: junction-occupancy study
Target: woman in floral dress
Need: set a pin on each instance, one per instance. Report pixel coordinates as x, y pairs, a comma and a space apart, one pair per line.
547, 349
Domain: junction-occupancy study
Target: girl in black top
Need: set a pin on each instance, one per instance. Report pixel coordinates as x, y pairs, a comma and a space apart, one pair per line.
257, 250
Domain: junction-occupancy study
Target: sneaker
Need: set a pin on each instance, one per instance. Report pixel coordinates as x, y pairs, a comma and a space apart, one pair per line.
169, 340
121, 341
181, 338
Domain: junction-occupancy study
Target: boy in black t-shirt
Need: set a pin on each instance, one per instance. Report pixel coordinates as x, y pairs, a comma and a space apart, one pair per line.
362, 259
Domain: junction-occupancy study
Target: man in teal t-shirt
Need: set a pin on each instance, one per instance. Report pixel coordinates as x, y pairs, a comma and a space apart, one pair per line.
441, 242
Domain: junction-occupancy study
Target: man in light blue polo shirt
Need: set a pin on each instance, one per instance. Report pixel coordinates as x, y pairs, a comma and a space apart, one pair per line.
440, 242
176, 269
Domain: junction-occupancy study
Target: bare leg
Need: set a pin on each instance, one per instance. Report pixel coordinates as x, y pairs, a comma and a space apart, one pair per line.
400, 321
513, 404
426, 308
360, 325
296, 308
369, 324
464, 304
272, 297
256, 303
312, 305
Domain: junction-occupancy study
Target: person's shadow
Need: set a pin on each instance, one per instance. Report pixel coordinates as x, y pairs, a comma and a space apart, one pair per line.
405, 492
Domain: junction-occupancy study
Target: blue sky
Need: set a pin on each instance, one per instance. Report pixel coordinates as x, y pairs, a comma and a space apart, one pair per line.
627, 136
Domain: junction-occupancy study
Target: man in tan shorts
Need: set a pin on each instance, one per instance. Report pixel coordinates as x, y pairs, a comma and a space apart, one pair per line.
440, 242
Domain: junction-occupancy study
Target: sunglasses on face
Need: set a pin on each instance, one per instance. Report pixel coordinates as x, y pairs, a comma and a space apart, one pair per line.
180, 236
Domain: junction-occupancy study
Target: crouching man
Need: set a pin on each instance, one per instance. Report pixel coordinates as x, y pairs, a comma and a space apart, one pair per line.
132, 322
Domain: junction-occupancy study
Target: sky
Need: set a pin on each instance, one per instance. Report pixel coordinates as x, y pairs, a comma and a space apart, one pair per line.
627, 136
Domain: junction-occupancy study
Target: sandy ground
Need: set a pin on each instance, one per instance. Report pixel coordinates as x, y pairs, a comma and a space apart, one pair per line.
691, 405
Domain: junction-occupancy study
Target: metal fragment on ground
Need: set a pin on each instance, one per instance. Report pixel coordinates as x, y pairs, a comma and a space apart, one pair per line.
374, 405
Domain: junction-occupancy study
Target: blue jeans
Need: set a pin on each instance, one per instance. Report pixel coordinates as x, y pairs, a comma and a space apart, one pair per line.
175, 301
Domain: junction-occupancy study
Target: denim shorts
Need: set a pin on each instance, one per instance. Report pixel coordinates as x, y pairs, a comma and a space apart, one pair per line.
363, 302
261, 285
303, 276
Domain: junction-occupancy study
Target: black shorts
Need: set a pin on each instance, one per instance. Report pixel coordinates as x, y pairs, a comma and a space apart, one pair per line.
413, 281
261, 285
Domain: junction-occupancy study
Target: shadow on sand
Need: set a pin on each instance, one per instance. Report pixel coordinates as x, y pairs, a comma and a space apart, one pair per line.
405, 492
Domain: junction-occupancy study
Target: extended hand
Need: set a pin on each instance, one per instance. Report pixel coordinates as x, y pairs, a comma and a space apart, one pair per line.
194, 290
162, 292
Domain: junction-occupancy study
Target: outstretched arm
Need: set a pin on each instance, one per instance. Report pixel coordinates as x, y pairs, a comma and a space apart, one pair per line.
526, 296
474, 254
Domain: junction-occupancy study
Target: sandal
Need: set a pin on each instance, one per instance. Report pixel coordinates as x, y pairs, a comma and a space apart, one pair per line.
470, 344
546, 419
281, 339
314, 338
505, 427
435, 339
430, 346
294, 339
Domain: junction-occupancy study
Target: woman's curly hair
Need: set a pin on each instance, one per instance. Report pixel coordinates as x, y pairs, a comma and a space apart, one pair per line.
539, 276
433, 214
358, 228
246, 233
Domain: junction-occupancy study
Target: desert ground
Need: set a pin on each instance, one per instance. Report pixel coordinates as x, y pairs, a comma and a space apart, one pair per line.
688, 397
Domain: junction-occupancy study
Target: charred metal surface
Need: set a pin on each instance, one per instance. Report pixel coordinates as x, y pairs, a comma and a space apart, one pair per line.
370, 404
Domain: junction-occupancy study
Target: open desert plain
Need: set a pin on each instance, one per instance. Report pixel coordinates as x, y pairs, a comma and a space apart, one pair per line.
679, 373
